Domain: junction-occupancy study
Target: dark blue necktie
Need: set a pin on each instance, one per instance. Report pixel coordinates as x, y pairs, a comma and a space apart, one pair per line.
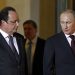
11, 44
73, 43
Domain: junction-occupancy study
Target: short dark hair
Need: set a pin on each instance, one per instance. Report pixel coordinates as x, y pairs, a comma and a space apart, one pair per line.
33, 23
4, 13
68, 11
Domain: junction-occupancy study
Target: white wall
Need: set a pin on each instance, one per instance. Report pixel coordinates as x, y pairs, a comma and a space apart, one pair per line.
27, 9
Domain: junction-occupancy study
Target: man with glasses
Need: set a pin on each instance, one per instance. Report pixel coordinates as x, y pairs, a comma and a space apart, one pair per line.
12, 59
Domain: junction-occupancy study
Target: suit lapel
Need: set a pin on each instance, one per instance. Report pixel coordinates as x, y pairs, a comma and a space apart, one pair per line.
5, 46
64, 43
37, 50
20, 44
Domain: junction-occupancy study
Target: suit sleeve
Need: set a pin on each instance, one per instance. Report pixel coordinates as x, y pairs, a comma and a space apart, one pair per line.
48, 59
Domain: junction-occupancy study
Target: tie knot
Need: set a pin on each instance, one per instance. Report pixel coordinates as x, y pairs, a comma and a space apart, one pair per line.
10, 37
72, 37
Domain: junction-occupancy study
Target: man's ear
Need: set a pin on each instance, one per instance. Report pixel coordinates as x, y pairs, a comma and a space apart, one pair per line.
2, 21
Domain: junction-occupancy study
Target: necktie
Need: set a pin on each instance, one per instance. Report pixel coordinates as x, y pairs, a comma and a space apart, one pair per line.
29, 57
11, 44
73, 43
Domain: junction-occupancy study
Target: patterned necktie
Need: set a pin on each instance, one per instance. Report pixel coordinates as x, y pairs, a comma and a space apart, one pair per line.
73, 43
11, 44
29, 56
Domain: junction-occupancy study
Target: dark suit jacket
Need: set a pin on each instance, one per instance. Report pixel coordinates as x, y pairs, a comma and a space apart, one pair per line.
59, 53
8, 62
37, 68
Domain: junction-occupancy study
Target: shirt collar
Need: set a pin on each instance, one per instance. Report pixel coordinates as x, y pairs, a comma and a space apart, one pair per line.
69, 35
5, 35
33, 41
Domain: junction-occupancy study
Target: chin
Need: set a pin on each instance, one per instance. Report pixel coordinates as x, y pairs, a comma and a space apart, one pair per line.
68, 33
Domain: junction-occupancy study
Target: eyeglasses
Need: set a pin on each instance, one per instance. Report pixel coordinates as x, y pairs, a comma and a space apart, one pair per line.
13, 22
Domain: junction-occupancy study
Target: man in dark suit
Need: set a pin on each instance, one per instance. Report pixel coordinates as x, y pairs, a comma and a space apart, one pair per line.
12, 56
37, 49
58, 54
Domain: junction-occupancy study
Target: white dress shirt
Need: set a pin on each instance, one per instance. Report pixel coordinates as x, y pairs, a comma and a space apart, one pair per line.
34, 41
5, 35
68, 38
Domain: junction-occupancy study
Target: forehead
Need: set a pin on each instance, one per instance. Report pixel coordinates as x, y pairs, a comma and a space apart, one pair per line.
67, 16
12, 14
